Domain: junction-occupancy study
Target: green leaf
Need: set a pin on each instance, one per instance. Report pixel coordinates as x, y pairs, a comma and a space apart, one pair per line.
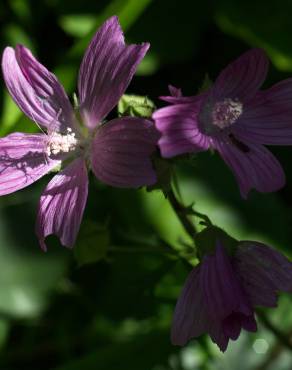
242, 21
127, 355
10, 116
92, 243
17, 35
149, 64
78, 25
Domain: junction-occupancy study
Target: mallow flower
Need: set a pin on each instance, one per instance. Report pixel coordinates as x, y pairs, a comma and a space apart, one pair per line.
221, 293
118, 152
234, 118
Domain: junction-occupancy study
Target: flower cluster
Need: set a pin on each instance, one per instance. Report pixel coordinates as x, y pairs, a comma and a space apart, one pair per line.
233, 117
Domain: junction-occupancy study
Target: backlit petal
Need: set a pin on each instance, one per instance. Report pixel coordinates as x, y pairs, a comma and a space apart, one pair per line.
22, 161
35, 90
106, 70
62, 204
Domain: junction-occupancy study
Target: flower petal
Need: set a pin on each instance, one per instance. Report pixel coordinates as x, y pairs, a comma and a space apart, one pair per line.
190, 319
218, 335
179, 127
35, 90
232, 326
22, 161
174, 91
242, 78
106, 70
264, 272
62, 204
253, 165
177, 97
222, 292
121, 152
267, 118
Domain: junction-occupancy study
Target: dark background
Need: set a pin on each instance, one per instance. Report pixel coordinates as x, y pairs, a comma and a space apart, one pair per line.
59, 312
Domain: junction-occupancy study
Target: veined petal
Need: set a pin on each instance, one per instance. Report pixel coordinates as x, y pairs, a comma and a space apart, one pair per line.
267, 118
242, 78
220, 287
263, 271
62, 204
22, 161
35, 90
179, 127
253, 165
106, 70
121, 152
217, 334
232, 324
190, 318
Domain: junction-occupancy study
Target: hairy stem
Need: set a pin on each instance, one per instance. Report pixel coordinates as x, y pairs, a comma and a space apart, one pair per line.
181, 213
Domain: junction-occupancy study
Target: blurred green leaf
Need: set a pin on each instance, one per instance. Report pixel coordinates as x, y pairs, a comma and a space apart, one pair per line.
77, 25
265, 24
92, 243
149, 64
17, 35
10, 116
21, 8
174, 32
214, 191
4, 331
25, 279
127, 355
128, 12
163, 218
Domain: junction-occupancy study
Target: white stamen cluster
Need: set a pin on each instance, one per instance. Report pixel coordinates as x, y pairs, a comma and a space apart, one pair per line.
59, 143
226, 112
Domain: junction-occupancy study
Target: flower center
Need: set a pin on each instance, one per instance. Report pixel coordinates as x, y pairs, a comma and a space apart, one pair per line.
226, 112
217, 116
59, 143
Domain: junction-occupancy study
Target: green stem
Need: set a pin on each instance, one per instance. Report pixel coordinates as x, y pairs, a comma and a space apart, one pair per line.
180, 211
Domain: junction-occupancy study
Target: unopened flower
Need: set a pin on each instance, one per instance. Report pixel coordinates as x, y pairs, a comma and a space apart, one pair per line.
235, 118
118, 152
221, 293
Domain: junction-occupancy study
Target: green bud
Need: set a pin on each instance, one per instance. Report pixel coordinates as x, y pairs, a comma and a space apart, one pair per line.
207, 83
207, 239
75, 101
135, 106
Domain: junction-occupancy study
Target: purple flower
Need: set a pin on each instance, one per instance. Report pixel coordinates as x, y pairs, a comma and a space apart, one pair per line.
236, 119
221, 293
118, 152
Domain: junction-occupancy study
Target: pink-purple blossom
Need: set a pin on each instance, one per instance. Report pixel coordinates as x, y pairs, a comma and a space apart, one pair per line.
236, 119
221, 293
118, 152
